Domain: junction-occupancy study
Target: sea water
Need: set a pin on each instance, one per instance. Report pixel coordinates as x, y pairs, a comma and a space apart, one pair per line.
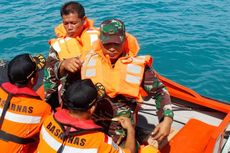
189, 40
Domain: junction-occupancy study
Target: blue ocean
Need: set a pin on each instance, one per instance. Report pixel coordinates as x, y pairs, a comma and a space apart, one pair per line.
189, 40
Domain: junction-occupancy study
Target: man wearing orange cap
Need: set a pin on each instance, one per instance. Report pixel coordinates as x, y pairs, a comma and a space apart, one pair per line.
21, 110
127, 79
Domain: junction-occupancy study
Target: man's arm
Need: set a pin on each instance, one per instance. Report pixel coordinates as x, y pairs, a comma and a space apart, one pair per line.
130, 140
71, 65
55, 71
110, 146
158, 91
51, 80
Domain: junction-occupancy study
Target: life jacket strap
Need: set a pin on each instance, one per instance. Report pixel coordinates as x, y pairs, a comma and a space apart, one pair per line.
10, 137
67, 133
5, 108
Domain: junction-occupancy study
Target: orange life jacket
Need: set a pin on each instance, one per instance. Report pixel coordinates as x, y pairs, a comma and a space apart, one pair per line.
131, 46
61, 132
22, 113
148, 149
61, 32
71, 47
124, 78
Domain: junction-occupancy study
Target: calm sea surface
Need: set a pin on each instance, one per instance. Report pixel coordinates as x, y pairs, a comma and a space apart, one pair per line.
189, 40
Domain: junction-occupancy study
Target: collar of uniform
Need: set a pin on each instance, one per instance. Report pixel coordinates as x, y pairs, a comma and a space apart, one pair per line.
63, 116
11, 88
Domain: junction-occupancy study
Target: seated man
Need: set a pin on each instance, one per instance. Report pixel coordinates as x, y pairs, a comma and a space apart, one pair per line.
76, 36
127, 79
22, 111
72, 130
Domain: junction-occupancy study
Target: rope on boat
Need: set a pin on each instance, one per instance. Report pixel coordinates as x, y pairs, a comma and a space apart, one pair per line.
178, 107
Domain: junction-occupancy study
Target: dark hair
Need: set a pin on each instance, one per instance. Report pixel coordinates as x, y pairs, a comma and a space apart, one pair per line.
73, 7
20, 69
80, 95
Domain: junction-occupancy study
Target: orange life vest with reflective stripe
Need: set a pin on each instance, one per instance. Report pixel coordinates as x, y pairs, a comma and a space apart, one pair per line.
131, 46
124, 78
21, 119
53, 135
72, 47
61, 32
67, 47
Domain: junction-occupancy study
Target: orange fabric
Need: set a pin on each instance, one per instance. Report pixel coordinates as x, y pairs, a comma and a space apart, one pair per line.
61, 32
41, 92
148, 149
67, 47
18, 118
120, 79
192, 138
131, 46
51, 136
218, 135
72, 47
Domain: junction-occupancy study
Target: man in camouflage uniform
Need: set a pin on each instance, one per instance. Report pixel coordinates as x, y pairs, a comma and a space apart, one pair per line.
75, 35
110, 65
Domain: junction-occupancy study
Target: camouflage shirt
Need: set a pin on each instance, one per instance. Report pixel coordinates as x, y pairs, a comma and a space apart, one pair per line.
157, 90
123, 106
52, 80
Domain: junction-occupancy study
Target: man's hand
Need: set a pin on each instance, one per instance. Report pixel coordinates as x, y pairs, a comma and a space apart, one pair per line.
125, 122
130, 140
162, 130
70, 65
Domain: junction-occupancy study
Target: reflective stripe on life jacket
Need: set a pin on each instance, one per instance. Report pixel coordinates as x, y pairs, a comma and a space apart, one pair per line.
82, 43
67, 47
124, 78
93, 34
48, 143
72, 47
81, 138
24, 119
21, 113
13, 90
